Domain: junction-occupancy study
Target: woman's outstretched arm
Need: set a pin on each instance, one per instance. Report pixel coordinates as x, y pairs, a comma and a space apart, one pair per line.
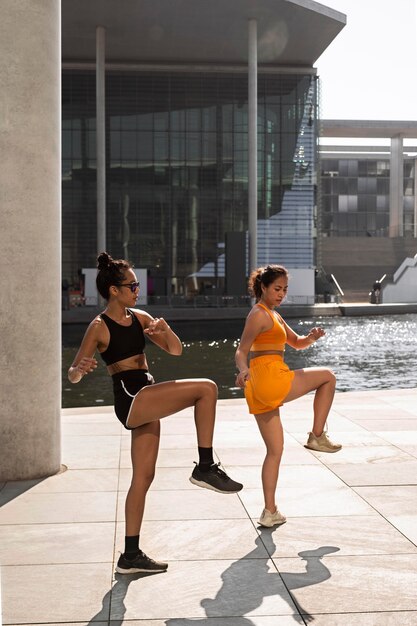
301, 342
84, 361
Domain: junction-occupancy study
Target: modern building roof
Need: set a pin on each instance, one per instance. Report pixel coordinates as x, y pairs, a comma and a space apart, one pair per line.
368, 128
363, 152
290, 32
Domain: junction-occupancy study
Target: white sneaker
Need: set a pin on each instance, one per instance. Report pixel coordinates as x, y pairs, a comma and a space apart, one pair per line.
269, 519
322, 443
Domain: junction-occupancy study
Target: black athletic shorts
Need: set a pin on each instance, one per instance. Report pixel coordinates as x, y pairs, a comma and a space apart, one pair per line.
125, 387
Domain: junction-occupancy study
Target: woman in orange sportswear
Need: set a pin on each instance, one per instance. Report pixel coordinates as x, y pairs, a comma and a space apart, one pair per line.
268, 382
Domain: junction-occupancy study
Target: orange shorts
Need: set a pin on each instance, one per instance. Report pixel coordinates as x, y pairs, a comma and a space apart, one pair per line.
269, 383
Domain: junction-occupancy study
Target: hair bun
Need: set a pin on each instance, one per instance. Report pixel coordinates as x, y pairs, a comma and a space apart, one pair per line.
104, 261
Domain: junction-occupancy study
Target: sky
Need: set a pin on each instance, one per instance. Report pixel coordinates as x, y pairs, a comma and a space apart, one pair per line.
369, 71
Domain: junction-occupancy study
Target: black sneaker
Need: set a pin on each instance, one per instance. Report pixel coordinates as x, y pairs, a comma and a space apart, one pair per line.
139, 564
215, 479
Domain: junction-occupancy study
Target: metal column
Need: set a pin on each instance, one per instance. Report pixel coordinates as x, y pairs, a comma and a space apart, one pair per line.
415, 197
396, 200
101, 138
252, 143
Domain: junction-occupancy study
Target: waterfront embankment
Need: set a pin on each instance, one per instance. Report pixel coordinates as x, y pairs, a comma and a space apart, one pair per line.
84, 315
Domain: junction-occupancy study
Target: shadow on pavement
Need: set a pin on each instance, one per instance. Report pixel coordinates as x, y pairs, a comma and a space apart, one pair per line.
245, 584
249, 580
14, 488
113, 601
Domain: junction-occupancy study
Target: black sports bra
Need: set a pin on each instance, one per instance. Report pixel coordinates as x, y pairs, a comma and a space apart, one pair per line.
125, 341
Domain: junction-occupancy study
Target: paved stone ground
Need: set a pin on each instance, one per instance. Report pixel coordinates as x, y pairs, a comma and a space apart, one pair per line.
346, 556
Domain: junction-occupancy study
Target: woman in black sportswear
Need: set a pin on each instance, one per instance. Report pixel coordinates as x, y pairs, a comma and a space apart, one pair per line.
118, 334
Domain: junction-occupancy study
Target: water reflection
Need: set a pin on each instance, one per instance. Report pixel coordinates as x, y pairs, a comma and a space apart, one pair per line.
365, 353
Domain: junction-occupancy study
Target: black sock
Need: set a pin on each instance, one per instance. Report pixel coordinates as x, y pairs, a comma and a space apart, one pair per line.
205, 458
131, 546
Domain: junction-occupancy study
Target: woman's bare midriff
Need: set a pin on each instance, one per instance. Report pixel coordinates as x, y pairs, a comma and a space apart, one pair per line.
137, 362
254, 355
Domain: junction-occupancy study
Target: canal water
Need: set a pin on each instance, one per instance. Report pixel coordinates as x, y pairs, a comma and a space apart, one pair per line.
364, 352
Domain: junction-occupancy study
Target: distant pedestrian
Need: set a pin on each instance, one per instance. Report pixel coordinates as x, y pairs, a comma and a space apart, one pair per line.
118, 334
376, 288
269, 383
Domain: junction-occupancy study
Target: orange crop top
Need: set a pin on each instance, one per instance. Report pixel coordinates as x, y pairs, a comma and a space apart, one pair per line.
273, 339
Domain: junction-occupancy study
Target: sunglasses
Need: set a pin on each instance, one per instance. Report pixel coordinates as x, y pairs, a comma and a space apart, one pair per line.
132, 286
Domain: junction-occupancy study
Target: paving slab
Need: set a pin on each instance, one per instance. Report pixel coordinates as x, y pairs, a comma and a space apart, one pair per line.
409, 449
189, 504
70, 624
68, 481
348, 438
380, 412
379, 424
293, 455
336, 424
391, 500
76, 427
284, 620
399, 438
404, 473
368, 583
45, 508
354, 535
290, 476
204, 589
365, 455
83, 451
180, 457
54, 593
308, 501
37, 544
382, 618
405, 524
186, 540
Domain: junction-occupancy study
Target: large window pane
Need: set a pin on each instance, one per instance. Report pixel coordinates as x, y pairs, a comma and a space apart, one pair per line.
177, 170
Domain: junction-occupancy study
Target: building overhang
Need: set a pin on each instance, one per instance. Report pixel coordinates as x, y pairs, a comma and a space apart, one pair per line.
290, 32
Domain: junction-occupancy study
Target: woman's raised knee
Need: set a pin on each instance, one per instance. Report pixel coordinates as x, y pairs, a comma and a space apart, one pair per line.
331, 377
209, 388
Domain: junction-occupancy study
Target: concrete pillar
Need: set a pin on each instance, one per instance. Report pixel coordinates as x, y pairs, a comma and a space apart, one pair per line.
253, 143
101, 137
396, 191
30, 238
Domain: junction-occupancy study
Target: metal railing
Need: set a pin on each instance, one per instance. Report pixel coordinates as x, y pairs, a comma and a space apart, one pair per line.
201, 301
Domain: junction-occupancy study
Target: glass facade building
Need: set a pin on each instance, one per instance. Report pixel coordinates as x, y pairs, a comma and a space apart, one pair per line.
355, 196
177, 171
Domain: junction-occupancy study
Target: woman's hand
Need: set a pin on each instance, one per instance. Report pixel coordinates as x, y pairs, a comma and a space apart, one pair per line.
85, 366
315, 333
159, 331
156, 326
242, 378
